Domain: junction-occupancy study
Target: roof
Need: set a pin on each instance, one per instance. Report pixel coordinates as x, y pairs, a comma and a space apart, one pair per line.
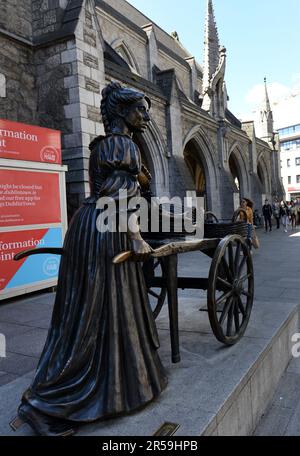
137, 20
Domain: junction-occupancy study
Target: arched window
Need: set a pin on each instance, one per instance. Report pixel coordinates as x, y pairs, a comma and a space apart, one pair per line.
123, 50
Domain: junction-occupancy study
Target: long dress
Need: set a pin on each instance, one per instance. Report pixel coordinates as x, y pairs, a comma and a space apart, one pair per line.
100, 357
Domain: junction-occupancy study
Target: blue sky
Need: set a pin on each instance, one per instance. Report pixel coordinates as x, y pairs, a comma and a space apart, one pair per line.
262, 39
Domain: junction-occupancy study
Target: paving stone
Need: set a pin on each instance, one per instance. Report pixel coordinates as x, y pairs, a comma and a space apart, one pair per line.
275, 422
17, 364
294, 366
31, 343
288, 392
293, 428
6, 378
10, 329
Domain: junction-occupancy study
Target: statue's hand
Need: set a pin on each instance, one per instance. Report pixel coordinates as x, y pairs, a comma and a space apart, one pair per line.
141, 249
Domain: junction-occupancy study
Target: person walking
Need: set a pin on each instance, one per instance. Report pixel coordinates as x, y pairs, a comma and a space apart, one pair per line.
293, 215
267, 213
298, 213
276, 212
247, 215
284, 215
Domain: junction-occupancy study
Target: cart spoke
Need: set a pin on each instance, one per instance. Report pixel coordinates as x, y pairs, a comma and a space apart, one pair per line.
230, 257
237, 257
243, 262
224, 282
225, 310
246, 293
241, 307
152, 293
223, 298
226, 267
245, 277
229, 321
236, 317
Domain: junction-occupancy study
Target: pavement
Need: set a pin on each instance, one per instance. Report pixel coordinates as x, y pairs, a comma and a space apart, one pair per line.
24, 322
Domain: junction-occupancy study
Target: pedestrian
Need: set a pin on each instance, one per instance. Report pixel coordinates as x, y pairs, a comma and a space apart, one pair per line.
247, 205
267, 213
276, 212
284, 215
257, 218
293, 215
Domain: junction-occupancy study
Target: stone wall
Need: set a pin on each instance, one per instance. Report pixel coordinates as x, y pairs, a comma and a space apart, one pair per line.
17, 66
46, 16
16, 17
82, 105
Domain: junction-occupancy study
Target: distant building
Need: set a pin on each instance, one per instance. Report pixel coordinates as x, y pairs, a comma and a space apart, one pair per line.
57, 55
289, 139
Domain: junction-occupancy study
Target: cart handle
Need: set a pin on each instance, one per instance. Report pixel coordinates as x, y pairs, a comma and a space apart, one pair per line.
173, 248
37, 251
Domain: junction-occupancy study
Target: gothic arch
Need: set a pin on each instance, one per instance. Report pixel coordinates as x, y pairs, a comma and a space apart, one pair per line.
153, 150
263, 175
238, 168
206, 154
120, 46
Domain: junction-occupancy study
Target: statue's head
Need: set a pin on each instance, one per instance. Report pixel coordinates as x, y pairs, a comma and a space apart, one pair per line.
124, 107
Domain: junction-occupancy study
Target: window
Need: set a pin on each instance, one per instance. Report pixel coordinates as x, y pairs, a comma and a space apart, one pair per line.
297, 161
287, 145
289, 130
289, 180
288, 162
298, 179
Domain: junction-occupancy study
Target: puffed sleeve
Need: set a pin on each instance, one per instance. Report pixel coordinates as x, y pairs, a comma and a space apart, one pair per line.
115, 163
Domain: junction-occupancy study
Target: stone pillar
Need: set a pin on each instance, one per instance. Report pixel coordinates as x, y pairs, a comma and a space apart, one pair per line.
84, 85
152, 50
193, 77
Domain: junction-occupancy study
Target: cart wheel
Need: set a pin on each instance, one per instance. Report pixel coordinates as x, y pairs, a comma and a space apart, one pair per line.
230, 289
154, 269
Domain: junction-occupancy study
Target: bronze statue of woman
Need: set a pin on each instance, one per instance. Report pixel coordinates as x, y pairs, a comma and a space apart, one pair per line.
100, 358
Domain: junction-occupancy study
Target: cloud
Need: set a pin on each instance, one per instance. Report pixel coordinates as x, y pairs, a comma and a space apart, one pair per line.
284, 100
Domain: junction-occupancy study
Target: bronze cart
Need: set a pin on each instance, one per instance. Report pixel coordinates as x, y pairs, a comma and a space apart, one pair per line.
229, 285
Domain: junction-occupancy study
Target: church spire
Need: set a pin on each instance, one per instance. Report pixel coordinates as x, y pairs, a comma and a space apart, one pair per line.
266, 116
211, 45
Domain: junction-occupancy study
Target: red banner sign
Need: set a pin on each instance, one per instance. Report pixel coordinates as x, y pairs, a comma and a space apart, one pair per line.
30, 143
12, 243
29, 198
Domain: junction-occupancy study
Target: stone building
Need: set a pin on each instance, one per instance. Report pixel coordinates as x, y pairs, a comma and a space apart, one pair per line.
57, 55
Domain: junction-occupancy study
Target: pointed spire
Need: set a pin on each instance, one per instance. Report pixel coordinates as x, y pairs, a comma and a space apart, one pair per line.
267, 101
266, 115
211, 45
